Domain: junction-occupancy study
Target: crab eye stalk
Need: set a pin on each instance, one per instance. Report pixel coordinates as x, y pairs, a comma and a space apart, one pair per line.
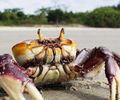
40, 35
61, 34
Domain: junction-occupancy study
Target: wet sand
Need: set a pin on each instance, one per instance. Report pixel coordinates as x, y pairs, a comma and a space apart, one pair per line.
96, 89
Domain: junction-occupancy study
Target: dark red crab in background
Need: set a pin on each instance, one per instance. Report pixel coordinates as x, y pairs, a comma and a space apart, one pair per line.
52, 60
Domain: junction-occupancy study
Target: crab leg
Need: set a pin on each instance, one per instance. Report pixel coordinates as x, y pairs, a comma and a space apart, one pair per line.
15, 88
12, 87
82, 56
30, 88
89, 64
113, 75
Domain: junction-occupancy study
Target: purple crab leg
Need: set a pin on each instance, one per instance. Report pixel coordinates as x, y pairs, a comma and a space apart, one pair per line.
88, 63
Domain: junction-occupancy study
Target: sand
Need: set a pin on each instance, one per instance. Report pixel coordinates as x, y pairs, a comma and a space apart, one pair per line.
74, 90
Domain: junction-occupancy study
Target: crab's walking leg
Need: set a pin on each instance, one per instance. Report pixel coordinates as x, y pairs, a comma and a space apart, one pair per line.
30, 88
112, 71
15, 88
12, 87
110, 74
88, 61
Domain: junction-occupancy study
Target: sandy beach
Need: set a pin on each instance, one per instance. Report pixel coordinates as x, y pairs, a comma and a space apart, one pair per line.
95, 89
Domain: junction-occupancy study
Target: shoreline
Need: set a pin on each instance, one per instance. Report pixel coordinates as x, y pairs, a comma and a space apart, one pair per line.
51, 27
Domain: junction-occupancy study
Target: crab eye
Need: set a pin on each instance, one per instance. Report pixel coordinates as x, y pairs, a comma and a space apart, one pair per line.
40, 35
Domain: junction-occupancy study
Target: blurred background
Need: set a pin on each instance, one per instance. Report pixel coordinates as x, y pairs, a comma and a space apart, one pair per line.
93, 13
90, 23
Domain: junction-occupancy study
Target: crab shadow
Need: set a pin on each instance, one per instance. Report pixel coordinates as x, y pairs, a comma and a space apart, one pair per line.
2, 92
85, 96
65, 88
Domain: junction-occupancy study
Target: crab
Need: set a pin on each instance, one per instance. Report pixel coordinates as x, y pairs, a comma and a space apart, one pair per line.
55, 60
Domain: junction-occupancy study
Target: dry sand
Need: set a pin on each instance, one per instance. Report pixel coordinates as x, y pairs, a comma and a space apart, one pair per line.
96, 89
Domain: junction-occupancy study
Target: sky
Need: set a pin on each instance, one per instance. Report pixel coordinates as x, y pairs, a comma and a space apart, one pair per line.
30, 6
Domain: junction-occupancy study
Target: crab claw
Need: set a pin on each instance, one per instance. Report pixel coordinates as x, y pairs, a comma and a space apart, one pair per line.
15, 81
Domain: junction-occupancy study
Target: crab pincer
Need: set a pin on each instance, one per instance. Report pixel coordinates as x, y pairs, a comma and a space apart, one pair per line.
15, 81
